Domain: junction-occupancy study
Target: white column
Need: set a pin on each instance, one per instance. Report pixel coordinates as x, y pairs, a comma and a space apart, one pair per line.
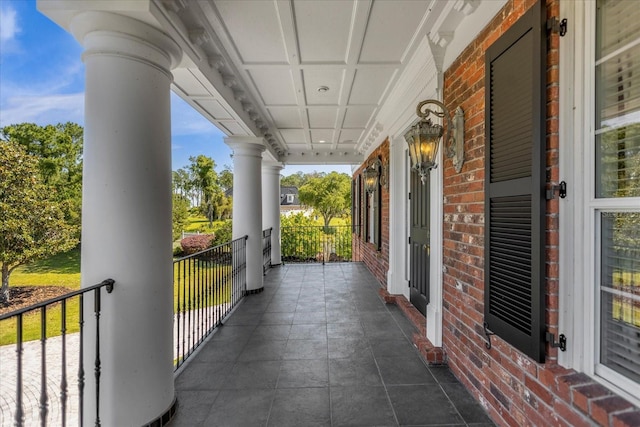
126, 215
397, 282
271, 207
247, 203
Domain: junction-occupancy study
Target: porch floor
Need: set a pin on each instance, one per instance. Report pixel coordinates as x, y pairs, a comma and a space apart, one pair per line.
318, 348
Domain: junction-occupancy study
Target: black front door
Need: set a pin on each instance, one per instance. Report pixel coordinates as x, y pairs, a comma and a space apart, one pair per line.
419, 243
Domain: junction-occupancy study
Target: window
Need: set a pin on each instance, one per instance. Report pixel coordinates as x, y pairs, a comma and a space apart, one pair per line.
514, 203
290, 198
615, 202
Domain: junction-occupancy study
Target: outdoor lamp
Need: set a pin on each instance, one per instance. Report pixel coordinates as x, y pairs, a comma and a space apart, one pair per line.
423, 138
371, 176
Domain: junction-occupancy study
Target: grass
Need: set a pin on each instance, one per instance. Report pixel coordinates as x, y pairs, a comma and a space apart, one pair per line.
64, 270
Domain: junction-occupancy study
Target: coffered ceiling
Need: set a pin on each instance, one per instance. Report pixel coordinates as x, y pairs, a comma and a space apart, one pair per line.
309, 76
312, 78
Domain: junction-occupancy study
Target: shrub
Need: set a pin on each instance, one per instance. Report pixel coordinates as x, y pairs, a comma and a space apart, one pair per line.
177, 251
223, 232
192, 244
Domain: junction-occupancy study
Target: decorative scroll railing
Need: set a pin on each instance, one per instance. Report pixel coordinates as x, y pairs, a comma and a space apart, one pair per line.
207, 286
266, 250
66, 314
310, 244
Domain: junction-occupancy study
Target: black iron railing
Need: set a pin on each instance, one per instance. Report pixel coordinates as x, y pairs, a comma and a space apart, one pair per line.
319, 244
207, 286
266, 250
66, 312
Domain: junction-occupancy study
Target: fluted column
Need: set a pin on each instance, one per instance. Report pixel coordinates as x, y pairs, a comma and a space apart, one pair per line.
247, 203
126, 216
271, 207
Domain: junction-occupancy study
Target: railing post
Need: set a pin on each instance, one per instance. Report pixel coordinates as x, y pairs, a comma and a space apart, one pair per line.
19, 416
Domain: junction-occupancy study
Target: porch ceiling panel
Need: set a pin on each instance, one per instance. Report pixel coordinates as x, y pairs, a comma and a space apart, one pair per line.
275, 86
286, 117
326, 21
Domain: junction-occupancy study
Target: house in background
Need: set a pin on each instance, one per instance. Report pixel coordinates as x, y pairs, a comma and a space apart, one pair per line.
517, 256
290, 203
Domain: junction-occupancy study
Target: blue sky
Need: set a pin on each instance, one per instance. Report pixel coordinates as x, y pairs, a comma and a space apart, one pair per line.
42, 81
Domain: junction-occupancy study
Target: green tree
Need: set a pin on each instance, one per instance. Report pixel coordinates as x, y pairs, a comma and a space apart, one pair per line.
329, 195
58, 149
180, 215
299, 178
226, 178
32, 222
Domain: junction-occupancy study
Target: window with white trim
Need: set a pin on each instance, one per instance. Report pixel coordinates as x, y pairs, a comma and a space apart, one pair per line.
614, 205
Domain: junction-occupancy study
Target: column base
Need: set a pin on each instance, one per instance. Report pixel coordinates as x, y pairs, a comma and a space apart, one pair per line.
431, 354
166, 417
254, 291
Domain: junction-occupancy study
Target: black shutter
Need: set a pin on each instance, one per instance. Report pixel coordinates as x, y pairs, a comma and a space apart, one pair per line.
377, 216
515, 82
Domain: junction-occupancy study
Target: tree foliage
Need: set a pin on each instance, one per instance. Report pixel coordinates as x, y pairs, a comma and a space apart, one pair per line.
179, 215
32, 221
202, 186
329, 195
300, 178
58, 150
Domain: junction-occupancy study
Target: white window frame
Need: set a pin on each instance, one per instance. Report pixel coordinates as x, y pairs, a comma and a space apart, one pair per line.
579, 317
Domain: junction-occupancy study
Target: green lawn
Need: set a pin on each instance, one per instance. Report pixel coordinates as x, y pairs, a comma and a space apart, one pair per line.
58, 270
64, 270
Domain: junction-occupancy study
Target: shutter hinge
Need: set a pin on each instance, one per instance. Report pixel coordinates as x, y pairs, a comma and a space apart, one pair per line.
561, 344
560, 188
556, 26
409, 239
409, 196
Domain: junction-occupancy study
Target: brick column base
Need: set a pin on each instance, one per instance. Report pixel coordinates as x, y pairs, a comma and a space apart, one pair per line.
432, 355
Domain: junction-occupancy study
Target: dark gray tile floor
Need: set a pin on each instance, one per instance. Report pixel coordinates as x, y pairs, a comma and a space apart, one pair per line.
319, 348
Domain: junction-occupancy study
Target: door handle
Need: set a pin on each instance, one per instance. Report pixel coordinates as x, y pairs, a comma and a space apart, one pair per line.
426, 248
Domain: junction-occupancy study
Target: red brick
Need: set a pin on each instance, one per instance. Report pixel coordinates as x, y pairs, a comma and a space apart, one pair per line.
626, 419
582, 395
538, 389
570, 415
566, 382
602, 408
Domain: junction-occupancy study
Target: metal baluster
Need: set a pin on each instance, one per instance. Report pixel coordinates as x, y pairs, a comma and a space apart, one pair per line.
184, 308
19, 416
63, 380
177, 315
44, 398
96, 310
81, 364
190, 305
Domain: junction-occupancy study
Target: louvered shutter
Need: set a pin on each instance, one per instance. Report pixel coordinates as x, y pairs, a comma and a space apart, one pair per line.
514, 189
377, 214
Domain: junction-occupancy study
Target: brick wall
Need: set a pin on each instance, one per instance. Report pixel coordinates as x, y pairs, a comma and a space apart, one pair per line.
514, 389
376, 260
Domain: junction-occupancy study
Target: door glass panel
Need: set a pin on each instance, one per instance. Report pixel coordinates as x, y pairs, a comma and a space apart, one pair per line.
620, 293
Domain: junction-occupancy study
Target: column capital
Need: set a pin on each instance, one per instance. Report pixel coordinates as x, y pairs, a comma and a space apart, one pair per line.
106, 33
273, 167
246, 146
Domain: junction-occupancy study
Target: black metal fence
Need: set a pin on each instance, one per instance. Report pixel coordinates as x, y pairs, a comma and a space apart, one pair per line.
207, 286
266, 250
310, 244
67, 313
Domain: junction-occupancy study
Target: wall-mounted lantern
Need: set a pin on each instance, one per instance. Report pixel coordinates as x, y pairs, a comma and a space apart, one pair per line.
371, 176
423, 138
376, 173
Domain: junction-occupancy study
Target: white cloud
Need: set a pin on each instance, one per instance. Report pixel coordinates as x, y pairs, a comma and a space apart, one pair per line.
8, 24
43, 109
